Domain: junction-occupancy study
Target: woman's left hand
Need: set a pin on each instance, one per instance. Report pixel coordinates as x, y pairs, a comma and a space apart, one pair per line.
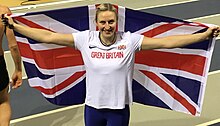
213, 31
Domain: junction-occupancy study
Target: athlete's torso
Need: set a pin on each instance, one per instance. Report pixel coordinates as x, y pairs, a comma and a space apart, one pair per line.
109, 69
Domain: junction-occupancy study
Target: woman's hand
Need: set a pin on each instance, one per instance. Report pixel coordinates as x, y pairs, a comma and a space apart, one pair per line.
213, 32
16, 79
7, 21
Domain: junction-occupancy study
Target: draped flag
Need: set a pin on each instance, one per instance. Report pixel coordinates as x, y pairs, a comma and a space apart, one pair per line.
169, 78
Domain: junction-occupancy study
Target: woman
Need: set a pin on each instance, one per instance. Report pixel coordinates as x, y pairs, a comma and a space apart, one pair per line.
109, 61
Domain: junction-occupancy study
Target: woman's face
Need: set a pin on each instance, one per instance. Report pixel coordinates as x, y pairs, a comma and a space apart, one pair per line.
106, 23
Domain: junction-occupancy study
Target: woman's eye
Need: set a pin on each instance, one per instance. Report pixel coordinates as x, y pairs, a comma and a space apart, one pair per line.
111, 22
102, 22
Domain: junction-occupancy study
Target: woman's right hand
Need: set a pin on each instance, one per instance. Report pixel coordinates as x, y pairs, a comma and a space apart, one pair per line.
7, 21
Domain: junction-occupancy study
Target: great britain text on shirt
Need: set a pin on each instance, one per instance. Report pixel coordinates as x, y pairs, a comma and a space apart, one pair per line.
107, 55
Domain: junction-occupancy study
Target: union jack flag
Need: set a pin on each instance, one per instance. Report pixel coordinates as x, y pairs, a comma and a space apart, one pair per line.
169, 78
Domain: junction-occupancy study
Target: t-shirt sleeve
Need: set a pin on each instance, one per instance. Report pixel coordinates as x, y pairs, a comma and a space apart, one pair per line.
136, 40
80, 38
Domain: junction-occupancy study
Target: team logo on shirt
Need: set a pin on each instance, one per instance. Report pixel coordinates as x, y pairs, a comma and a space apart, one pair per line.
121, 47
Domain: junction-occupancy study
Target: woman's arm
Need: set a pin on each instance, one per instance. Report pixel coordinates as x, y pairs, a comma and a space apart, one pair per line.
13, 47
41, 35
178, 40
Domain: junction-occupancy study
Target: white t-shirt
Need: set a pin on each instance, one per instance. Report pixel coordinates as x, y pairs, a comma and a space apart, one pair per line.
109, 69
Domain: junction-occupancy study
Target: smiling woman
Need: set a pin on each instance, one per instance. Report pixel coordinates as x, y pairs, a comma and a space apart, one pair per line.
106, 21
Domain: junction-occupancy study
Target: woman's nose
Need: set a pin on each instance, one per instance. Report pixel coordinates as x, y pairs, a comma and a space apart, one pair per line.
107, 26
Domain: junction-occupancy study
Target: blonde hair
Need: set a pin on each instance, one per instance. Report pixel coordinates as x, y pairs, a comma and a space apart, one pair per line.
105, 7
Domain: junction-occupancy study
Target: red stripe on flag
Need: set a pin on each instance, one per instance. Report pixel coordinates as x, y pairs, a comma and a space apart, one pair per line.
170, 91
25, 50
62, 85
160, 29
186, 62
53, 58
30, 23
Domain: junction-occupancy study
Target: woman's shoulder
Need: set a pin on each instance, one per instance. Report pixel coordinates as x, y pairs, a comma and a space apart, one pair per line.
124, 34
87, 33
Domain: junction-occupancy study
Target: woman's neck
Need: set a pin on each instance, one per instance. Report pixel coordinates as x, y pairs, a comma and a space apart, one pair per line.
108, 41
